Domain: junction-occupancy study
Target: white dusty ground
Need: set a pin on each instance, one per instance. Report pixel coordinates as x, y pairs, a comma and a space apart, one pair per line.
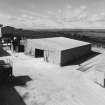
54, 85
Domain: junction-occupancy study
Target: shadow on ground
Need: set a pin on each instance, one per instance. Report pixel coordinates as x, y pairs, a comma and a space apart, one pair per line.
9, 95
83, 59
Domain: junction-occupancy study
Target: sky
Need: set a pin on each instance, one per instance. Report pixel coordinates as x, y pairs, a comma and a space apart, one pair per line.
46, 14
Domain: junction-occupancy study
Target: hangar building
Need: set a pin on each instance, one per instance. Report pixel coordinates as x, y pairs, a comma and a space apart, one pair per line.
57, 50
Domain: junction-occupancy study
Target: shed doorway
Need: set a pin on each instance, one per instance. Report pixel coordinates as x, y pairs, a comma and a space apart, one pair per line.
21, 48
39, 53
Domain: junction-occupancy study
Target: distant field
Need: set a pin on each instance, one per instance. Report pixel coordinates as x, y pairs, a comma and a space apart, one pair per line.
90, 35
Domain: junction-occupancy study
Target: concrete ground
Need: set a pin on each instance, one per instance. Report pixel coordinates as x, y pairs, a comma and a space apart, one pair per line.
39, 83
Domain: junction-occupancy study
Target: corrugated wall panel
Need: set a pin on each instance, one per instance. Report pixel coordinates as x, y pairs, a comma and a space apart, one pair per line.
67, 56
52, 56
55, 56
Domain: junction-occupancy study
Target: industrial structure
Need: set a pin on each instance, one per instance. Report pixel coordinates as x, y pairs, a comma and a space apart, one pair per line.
57, 50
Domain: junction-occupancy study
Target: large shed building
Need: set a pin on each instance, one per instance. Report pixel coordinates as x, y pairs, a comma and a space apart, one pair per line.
58, 50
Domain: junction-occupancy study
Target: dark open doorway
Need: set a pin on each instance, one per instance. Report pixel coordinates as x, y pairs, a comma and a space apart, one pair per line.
39, 53
21, 48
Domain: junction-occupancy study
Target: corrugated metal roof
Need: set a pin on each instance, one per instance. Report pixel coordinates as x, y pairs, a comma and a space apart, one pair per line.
59, 43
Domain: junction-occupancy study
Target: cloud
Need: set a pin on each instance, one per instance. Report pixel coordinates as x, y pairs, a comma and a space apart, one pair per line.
99, 17
71, 17
62, 18
96, 20
4, 19
33, 20
49, 19
77, 14
80, 18
68, 17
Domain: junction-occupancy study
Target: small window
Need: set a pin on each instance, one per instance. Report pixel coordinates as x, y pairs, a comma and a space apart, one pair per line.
39, 53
